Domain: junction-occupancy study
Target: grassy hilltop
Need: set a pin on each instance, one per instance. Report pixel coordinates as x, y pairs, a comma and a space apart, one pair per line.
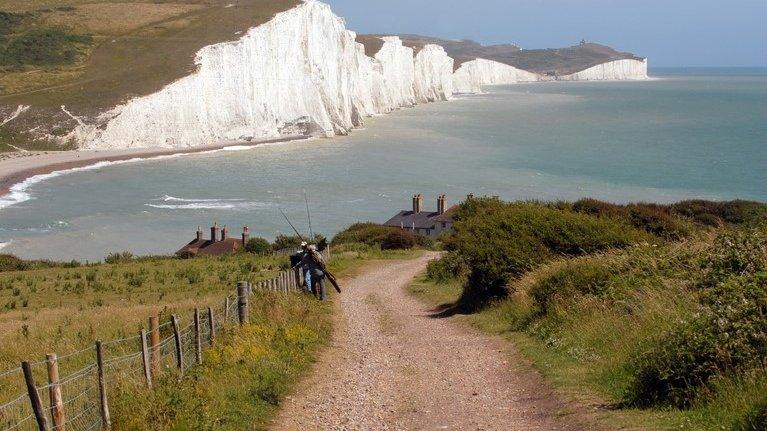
91, 55
653, 315
551, 61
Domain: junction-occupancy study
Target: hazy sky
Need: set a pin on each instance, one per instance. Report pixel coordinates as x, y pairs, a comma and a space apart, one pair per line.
669, 32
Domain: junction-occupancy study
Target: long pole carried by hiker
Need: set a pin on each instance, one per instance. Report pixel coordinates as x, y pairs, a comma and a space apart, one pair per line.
308, 215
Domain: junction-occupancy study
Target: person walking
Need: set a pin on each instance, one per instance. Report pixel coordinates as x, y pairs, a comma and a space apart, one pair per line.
313, 267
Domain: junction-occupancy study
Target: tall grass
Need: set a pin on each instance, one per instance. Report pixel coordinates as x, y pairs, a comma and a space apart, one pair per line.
641, 307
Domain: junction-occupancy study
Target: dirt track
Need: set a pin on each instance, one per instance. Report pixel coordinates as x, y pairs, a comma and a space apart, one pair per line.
394, 366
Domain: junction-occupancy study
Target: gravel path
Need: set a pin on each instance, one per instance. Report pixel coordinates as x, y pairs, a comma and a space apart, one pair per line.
393, 366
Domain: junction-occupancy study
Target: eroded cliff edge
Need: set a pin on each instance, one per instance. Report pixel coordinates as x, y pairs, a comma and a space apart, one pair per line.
301, 73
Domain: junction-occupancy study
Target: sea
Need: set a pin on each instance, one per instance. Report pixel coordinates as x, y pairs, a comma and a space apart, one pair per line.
687, 133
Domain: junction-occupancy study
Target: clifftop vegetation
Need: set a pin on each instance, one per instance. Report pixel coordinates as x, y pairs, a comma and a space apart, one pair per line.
656, 310
551, 61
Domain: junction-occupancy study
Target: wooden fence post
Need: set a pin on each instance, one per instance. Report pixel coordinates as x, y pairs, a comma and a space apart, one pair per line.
106, 423
242, 302
154, 345
177, 338
54, 392
145, 359
197, 337
34, 397
211, 326
226, 309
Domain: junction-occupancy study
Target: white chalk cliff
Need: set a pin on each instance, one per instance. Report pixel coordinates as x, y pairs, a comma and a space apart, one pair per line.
472, 75
300, 73
618, 70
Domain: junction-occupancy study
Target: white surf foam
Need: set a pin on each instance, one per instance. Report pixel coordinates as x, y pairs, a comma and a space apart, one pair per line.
174, 203
5, 244
19, 191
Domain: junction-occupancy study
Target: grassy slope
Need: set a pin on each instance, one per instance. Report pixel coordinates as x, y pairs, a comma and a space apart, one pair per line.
63, 309
584, 343
146, 55
663, 332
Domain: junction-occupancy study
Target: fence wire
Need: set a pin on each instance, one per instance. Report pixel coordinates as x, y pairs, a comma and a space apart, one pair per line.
124, 369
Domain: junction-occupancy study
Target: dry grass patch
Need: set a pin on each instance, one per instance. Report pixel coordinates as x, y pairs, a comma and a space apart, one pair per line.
117, 18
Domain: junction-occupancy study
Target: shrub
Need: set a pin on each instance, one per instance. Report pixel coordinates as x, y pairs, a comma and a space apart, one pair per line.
715, 213
448, 268
43, 47
499, 241
9, 21
584, 277
365, 233
9, 262
398, 240
652, 218
123, 257
735, 253
283, 242
727, 336
755, 420
258, 246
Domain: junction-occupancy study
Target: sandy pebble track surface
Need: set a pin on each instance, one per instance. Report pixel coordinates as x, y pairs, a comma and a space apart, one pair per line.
394, 365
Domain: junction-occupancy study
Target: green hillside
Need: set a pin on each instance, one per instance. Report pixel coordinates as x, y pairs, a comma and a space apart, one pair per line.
97, 54
649, 315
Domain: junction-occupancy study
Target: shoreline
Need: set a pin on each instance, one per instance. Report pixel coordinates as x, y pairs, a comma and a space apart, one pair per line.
20, 168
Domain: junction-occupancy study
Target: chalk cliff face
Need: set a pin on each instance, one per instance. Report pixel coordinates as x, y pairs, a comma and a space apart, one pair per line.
433, 75
472, 75
301, 73
619, 70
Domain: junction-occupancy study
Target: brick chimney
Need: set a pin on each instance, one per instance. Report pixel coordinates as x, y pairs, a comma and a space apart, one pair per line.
245, 236
214, 232
441, 204
199, 233
224, 233
417, 203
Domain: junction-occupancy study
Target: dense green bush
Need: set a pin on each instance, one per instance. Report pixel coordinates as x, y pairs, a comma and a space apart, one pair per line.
445, 269
9, 21
123, 257
735, 253
376, 235
258, 246
653, 218
398, 239
10, 262
365, 233
755, 420
574, 277
499, 241
716, 213
283, 242
727, 336
43, 47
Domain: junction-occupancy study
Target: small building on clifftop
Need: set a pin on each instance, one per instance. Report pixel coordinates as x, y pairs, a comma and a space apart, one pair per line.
219, 243
426, 223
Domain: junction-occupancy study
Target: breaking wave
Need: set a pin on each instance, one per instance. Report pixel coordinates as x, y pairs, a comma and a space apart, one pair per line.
18, 192
174, 203
5, 244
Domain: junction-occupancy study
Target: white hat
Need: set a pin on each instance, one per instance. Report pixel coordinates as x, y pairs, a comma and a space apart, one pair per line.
304, 244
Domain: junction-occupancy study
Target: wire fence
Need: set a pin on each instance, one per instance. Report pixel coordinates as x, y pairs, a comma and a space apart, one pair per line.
71, 392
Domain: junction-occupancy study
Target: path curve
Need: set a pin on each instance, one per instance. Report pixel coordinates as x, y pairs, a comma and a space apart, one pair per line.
392, 366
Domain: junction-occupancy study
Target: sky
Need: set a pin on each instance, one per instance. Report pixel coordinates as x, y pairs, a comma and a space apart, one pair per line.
672, 33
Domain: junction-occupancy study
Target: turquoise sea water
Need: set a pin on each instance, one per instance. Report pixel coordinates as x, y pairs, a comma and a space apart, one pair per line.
690, 133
